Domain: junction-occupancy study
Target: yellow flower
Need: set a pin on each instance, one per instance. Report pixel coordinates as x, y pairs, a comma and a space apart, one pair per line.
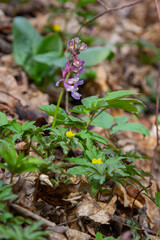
70, 134
97, 161
94, 160
56, 28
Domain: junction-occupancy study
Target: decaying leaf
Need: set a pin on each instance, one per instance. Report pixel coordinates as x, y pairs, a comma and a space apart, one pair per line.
125, 199
44, 178
73, 234
97, 211
56, 195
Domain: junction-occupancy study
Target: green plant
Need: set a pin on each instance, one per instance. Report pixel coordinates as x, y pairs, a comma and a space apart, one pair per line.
20, 163
99, 236
16, 227
111, 165
101, 159
42, 57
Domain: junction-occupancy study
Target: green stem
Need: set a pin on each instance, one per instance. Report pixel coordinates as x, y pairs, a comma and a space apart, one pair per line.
90, 120
34, 148
59, 102
157, 233
93, 117
100, 112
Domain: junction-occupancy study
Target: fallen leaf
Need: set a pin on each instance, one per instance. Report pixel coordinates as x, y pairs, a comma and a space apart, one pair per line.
56, 195
73, 234
97, 211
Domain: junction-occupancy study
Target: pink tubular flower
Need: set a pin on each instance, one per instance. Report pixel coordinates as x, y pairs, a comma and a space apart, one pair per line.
74, 65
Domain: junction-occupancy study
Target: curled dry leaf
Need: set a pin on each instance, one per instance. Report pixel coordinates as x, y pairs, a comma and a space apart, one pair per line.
125, 199
8, 85
44, 178
133, 192
97, 211
59, 236
73, 234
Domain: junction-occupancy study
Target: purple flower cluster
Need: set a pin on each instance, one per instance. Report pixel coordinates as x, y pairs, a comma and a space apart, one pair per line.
74, 66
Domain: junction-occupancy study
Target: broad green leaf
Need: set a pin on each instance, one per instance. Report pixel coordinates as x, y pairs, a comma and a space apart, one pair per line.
50, 110
95, 55
87, 102
104, 120
3, 119
122, 104
26, 40
36, 70
133, 127
50, 59
118, 94
51, 43
121, 120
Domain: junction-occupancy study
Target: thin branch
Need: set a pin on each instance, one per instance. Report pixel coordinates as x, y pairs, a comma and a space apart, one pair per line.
34, 148
157, 104
107, 11
156, 121
25, 212
158, 10
150, 184
102, 3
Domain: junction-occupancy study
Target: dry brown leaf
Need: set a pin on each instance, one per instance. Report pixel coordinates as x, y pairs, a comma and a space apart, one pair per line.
91, 230
36, 98
44, 178
125, 199
73, 234
57, 236
97, 211
9, 85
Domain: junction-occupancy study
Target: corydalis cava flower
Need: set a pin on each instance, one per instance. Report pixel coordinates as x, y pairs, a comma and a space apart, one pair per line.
74, 66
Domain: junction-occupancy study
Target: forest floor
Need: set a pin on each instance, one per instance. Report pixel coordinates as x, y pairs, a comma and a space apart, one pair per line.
127, 32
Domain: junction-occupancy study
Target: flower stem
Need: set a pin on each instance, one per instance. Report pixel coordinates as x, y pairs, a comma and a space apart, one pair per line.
59, 102
90, 120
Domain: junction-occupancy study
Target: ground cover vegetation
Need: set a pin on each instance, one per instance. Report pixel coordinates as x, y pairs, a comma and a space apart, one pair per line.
64, 167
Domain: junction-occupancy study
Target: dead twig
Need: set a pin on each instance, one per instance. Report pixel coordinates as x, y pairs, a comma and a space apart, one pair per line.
158, 10
10, 95
157, 106
156, 121
150, 184
107, 11
25, 212
102, 3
